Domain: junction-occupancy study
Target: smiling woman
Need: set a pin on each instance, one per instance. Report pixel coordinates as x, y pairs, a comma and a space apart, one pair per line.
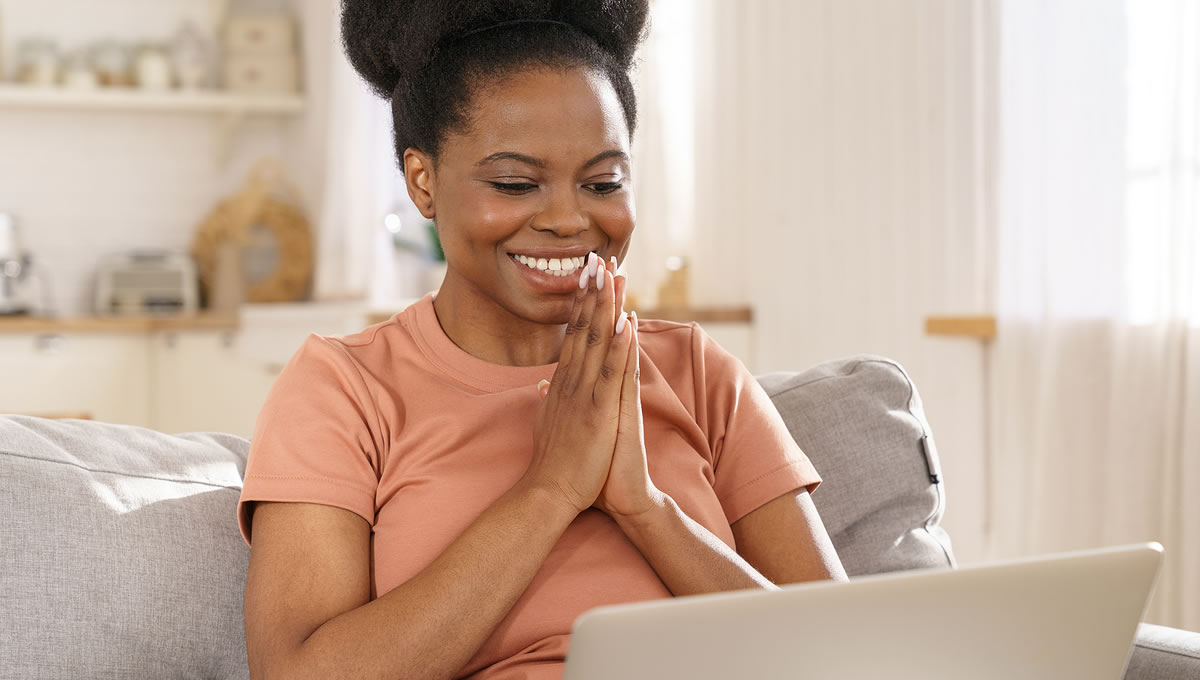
442, 494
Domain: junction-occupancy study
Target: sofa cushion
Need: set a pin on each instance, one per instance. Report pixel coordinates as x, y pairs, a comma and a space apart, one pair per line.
861, 423
1161, 653
120, 555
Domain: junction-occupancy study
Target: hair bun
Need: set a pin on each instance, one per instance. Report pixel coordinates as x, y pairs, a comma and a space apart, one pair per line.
390, 40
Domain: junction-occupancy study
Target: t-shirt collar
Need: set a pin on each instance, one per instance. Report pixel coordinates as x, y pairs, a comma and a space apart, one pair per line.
461, 365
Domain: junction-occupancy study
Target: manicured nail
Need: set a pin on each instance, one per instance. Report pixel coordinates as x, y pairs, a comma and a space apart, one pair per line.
583, 278
621, 322
613, 259
600, 279
592, 260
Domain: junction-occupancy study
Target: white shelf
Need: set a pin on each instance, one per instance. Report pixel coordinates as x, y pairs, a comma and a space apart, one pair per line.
128, 99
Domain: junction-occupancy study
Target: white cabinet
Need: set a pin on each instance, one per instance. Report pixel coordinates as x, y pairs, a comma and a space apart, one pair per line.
200, 383
168, 380
105, 375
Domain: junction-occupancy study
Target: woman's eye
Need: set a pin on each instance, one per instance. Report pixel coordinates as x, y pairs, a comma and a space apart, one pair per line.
605, 187
513, 187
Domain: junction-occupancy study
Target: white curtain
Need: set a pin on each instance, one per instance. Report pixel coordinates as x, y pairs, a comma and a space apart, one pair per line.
360, 182
1096, 368
663, 147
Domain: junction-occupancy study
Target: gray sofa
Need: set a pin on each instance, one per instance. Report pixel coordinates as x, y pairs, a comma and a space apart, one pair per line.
120, 555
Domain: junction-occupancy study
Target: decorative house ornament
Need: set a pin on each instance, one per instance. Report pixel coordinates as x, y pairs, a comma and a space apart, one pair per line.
273, 238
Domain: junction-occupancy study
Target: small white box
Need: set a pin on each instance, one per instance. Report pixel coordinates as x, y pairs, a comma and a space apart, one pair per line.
260, 34
253, 73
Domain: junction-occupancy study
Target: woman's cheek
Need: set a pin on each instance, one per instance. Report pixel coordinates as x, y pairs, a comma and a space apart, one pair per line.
618, 216
495, 215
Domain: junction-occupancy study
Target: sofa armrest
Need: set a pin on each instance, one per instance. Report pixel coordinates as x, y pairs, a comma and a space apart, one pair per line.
1162, 653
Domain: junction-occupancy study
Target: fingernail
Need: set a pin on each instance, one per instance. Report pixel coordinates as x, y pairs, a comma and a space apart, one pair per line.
600, 279
621, 322
583, 278
544, 383
592, 260
613, 259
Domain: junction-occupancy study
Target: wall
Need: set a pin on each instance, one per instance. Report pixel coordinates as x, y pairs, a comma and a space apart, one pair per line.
841, 173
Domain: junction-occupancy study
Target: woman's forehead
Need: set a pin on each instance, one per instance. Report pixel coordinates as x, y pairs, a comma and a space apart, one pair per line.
550, 115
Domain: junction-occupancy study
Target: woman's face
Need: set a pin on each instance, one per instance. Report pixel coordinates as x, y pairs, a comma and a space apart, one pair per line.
542, 172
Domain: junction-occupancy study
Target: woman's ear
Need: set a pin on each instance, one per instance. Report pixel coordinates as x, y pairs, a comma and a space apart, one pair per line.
418, 176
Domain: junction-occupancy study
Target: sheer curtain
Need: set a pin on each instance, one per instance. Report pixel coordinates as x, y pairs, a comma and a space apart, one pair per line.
1096, 368
360, 184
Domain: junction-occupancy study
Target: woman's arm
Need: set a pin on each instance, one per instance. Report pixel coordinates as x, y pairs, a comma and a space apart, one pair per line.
786, 541
688, 558
781, 542
308, 613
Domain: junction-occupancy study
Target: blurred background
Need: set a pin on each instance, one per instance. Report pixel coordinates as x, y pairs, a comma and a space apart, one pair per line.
1003, 195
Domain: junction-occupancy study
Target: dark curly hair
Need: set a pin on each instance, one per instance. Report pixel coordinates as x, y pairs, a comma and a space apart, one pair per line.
431, 56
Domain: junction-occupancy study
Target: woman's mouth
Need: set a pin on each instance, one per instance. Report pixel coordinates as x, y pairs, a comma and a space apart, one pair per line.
553, 266
549, 275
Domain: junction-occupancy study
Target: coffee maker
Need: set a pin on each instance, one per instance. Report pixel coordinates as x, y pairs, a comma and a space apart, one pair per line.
16, 266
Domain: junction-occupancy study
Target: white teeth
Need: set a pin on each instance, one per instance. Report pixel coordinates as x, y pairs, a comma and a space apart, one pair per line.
553, 266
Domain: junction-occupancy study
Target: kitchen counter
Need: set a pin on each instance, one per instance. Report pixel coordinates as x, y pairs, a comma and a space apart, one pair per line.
123, 324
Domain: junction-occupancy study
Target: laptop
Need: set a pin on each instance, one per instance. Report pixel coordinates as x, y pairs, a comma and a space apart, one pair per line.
1072, 615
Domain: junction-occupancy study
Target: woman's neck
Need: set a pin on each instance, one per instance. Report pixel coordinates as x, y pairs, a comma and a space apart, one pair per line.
483, 328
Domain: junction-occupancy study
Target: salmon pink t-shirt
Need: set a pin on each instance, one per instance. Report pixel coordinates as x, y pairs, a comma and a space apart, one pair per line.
402, 427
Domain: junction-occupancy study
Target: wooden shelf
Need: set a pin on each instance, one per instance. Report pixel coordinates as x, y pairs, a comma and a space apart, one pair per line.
698, 314
171, 101
116, 324
977, 327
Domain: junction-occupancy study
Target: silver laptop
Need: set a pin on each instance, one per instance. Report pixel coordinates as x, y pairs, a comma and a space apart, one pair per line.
1062, 616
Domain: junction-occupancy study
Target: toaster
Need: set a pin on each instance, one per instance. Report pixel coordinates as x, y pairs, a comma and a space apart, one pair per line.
147, 282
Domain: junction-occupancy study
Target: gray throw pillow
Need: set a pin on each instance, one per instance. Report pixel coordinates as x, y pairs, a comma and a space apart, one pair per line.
861, 423
119, 553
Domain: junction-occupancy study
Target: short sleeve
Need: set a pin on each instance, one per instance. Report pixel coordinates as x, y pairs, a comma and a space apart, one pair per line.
313, 440
754, 457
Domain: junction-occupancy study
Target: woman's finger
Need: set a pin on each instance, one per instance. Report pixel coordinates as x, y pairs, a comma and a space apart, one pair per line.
630, 389
621, 292
564, 354
578, 334
608, 386
596, 362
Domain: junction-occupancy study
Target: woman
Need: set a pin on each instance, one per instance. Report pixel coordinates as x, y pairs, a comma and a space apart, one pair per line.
422, 503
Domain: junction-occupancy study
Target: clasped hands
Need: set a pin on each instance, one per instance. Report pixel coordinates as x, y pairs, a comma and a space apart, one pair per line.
588, 441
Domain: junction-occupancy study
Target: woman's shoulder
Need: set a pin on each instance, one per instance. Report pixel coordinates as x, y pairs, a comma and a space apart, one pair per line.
686, 348
659, 337
687, 338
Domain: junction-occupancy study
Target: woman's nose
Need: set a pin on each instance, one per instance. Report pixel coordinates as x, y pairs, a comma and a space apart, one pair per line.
561, 214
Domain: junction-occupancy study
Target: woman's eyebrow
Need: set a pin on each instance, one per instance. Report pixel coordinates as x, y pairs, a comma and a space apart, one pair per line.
529, 160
